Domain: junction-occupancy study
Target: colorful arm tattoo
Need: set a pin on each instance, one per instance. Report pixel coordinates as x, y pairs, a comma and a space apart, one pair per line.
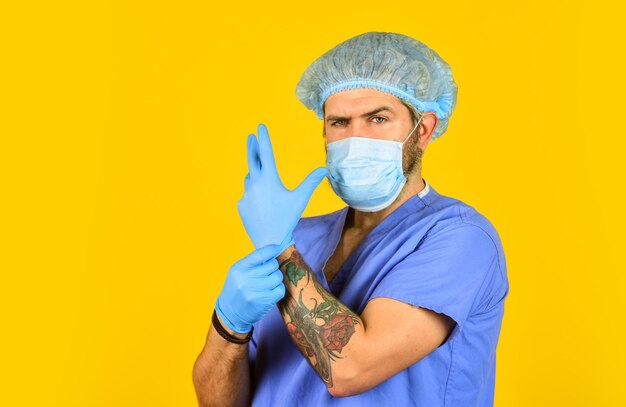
320, 329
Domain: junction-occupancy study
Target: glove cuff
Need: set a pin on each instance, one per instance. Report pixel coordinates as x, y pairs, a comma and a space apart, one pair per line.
239, 328
287, 241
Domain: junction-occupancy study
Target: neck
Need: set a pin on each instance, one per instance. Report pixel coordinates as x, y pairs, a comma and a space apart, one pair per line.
367, 221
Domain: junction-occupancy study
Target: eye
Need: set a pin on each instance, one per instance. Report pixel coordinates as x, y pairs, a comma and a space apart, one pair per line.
337, 122
382, 119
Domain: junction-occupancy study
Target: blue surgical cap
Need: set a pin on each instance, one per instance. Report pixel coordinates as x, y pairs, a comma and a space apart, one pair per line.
388, 62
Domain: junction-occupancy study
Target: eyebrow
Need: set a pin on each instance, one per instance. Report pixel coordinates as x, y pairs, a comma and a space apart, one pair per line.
378, 110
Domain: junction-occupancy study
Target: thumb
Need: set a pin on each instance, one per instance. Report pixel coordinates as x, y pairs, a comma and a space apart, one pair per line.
312, 181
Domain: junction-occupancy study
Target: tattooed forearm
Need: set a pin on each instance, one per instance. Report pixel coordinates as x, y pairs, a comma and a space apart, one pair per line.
320, 325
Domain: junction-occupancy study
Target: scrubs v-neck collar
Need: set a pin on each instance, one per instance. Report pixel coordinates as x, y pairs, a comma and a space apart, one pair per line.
415, 203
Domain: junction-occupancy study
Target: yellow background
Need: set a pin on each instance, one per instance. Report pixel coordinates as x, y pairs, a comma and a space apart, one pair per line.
122, 156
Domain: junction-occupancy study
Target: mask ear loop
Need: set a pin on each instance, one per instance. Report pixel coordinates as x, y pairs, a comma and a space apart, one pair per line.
417, 124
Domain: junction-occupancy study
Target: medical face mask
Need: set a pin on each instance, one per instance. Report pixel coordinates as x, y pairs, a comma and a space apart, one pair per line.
366, 173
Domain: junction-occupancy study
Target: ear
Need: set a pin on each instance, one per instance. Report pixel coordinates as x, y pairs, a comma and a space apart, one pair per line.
427, 128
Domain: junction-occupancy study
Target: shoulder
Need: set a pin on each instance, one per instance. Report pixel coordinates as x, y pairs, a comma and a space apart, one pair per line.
458, 223
449, 213
461, 256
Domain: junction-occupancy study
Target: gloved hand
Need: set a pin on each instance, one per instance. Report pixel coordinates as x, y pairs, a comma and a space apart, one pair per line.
253, 286
268, 210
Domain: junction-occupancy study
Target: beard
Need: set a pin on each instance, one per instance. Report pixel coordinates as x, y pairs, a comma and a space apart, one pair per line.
412, 158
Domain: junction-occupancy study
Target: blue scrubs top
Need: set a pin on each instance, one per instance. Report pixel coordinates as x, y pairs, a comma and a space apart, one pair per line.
434, 252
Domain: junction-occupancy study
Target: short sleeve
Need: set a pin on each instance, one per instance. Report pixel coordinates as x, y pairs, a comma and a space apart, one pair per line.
448, 272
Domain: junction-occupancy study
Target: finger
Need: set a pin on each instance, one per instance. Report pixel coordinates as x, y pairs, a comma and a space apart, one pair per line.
268, 282
278, 293
260, 256
264, 269
246, 182
265, 150
312, 181
276, 277
254, 162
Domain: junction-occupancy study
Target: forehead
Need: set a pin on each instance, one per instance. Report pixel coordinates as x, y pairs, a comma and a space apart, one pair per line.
354, 101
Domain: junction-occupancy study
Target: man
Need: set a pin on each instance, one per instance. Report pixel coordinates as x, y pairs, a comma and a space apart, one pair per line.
396, 299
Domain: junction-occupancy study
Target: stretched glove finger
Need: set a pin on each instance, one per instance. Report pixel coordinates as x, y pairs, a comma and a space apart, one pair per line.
246, 182
254, 161
311, 182
265, 150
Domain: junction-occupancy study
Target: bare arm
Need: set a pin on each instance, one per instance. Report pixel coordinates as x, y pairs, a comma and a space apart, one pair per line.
221, 373
353, 353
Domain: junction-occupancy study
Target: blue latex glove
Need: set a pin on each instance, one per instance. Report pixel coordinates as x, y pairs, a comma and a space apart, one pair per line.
268, 210
253, 286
